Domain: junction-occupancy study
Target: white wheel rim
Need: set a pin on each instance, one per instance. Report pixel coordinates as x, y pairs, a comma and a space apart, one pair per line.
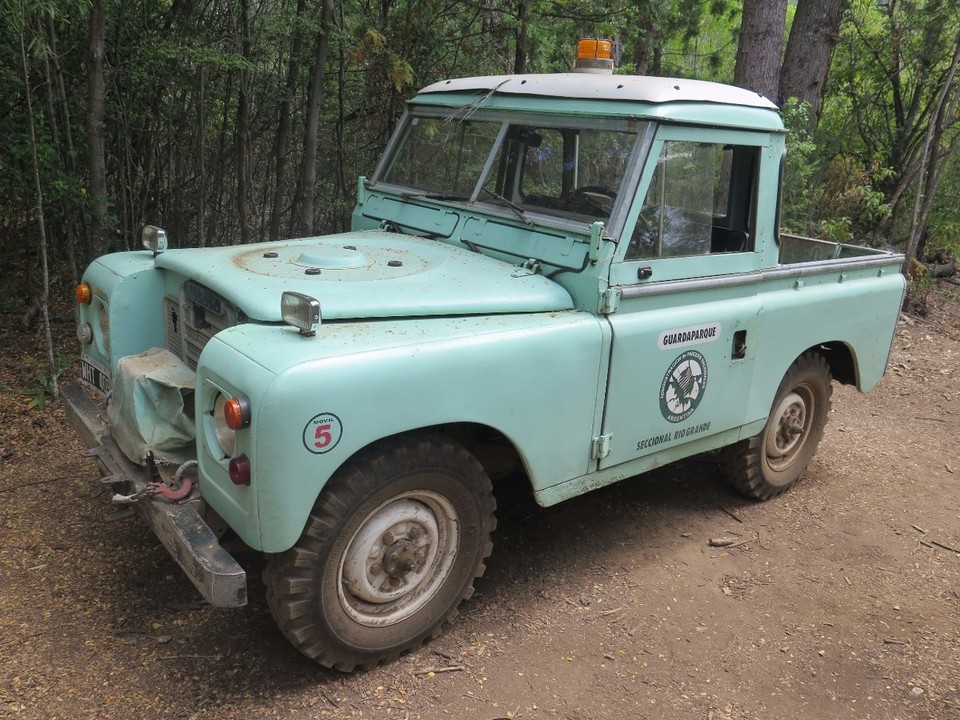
788, 426
398, 558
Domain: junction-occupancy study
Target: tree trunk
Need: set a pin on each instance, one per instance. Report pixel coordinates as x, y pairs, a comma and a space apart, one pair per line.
760, 46
281, 144
303, 207
244, 210
38, 189
67, 161
648, 46
806, 62
341, 120
933, 160
96, 131
520, 52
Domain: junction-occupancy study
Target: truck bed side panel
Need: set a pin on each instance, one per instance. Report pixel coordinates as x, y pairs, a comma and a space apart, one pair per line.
857, 307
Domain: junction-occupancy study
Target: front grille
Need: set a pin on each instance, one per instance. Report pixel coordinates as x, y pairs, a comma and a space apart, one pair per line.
195, 317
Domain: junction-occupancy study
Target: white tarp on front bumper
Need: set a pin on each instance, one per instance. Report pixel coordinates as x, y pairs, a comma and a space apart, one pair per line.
151, 407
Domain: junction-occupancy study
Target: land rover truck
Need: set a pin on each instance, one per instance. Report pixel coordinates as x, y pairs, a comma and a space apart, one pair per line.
564, 280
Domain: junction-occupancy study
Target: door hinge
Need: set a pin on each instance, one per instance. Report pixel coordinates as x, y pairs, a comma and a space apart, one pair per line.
601, 446
609, 301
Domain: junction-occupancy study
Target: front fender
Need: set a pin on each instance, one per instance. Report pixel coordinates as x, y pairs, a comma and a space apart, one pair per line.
128, 287
355, 383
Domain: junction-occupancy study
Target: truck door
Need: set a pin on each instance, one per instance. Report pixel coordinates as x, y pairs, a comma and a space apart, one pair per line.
684, 305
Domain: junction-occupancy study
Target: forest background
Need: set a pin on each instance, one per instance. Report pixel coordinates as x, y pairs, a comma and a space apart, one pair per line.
236, 121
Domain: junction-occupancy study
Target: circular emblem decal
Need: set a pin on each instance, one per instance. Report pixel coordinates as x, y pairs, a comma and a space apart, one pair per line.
322, 433
683, 386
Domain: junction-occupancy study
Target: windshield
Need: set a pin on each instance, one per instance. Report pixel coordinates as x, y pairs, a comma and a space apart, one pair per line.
442, 156
573, 171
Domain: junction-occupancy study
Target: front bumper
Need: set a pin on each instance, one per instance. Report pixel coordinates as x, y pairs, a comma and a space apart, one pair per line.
181, 529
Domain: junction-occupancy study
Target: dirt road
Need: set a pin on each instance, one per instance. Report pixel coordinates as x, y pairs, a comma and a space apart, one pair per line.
838, 601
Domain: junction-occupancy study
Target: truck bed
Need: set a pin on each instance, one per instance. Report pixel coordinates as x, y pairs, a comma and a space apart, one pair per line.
797, 249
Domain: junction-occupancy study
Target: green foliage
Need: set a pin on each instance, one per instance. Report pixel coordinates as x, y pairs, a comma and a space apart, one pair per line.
174, 69
837, 229
40, 384
944, 230
800, 193
885, 81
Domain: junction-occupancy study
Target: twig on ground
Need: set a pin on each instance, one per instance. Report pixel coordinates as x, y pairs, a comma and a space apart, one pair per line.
28, 484
438, 670
191, 657
731, 514
728, 542
945, 546
736, 636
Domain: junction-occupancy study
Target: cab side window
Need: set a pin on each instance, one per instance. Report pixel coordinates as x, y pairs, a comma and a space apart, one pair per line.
700, 201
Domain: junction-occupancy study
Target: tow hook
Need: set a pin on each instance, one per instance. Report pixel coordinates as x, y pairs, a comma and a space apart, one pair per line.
171, 494
154, 488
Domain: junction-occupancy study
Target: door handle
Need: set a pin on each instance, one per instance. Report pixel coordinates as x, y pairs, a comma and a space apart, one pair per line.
739, 345
644, 272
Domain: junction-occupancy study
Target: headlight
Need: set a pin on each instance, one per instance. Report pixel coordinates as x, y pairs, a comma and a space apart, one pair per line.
154, 239
104, 327
301, 311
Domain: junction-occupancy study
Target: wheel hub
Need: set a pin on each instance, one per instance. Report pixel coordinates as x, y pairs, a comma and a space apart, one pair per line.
790, 419
398, 558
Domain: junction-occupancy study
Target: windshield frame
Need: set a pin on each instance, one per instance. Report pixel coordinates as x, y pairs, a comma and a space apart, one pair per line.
643, 129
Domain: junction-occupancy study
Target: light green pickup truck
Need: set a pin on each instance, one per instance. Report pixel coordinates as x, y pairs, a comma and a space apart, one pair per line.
569, 279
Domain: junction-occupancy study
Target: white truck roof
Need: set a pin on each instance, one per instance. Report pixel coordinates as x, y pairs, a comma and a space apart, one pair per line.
591, 86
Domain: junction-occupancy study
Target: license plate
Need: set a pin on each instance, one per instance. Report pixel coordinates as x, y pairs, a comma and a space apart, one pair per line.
94, 375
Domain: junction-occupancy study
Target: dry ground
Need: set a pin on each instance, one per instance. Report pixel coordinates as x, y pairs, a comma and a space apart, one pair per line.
841, 601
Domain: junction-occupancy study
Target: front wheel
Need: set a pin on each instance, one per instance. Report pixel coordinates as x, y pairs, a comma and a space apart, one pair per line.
768, 464
390, 549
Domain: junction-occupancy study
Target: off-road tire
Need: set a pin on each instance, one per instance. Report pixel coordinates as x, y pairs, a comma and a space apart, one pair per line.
391, 548
770, 463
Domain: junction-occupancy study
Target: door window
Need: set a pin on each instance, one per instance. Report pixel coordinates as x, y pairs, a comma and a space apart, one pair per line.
699, 201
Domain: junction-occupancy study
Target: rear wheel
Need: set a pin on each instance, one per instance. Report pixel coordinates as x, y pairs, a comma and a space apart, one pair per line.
389, 551
768, 464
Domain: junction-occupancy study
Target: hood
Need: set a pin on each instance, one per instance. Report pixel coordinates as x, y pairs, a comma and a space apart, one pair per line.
366, 275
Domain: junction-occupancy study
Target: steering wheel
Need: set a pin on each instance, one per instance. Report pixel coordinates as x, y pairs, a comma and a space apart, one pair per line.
591, 199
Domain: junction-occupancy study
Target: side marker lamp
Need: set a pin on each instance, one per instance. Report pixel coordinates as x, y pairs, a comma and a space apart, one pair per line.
83, 293
236, 413
301, 311
154, 239
240, 470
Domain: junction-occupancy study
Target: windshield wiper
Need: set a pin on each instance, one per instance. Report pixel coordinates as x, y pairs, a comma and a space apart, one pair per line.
433, 196
518, 211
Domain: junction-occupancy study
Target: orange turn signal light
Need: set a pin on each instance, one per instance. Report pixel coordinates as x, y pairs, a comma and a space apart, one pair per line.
594, 49
83, 293
236, 413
